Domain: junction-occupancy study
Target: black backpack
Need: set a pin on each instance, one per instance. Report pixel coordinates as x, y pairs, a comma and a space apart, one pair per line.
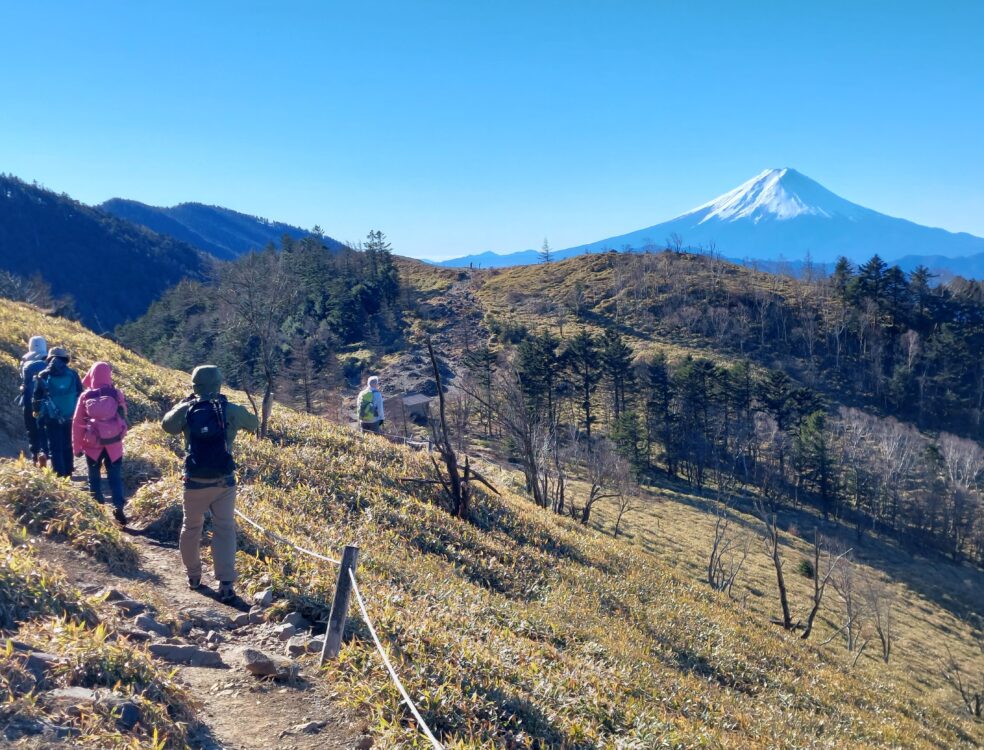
208, 454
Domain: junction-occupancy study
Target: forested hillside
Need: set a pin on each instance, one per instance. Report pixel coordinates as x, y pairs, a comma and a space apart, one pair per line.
219, 231
859, 394
511, 626
111, 269
290, 323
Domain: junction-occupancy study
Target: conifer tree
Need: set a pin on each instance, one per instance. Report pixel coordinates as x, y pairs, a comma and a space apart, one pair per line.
582, 360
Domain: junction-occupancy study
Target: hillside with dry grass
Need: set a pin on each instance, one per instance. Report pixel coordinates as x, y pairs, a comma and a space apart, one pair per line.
515, 628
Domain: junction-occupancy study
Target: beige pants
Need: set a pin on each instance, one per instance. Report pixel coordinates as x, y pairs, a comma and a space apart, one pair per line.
221, 500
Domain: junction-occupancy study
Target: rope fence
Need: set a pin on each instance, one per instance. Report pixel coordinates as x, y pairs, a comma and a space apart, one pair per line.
382, 653
282, 540
339, 610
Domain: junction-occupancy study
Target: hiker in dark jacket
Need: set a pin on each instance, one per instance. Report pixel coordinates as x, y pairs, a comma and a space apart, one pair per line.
32, 363
56, 391
209, 424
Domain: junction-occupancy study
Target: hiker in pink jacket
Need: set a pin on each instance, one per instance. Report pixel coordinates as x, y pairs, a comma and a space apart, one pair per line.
98, 429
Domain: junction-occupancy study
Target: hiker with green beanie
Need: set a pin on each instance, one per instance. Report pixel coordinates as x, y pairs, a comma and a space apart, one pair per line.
209, 424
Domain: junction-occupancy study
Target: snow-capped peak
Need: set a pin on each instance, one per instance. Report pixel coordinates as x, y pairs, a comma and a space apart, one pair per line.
776, 194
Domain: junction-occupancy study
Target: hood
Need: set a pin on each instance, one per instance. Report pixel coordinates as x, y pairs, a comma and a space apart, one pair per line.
37, 348
99, 375
206, 380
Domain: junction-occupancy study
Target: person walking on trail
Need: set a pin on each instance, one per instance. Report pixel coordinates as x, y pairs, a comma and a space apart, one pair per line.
32, 363
56, 392
209, 423
370, 403
98, 428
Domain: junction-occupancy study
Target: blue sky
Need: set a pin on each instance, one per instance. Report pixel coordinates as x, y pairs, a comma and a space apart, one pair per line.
458, 127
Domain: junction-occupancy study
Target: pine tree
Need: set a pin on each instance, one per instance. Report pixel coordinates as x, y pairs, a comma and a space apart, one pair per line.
582, 359
616, 364
546, 253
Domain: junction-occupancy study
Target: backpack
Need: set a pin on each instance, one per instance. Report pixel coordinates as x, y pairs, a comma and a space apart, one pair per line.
61, 395
208, 453
104, 425
30, 368
367, 407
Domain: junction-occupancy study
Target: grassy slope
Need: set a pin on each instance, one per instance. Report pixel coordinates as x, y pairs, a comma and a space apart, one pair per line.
522, 625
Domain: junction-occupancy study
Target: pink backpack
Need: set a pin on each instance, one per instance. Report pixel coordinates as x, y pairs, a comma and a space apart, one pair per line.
104, 425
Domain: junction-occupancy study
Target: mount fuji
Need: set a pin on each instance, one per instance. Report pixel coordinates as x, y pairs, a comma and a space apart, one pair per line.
782, 213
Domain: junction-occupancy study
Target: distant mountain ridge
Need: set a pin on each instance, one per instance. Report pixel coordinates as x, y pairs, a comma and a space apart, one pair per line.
781, 213
219, 231
113, 269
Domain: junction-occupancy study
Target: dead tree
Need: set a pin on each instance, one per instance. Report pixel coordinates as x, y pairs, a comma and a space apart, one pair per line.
625, 504
605, 473
846, 583
881, 601
772, 549
728, 554
970, 693
821, 553
455, 478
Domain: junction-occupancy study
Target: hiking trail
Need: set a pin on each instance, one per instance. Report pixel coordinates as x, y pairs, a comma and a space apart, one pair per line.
291, 709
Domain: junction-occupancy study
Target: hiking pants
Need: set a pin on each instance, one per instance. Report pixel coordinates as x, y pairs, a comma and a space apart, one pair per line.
114, 472
60, 446
221, 500
371, 427
35, 432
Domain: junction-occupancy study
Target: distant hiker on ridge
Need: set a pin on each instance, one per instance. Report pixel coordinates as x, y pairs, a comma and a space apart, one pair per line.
98, 429
209, 423
56, 391
32, 363
370, 405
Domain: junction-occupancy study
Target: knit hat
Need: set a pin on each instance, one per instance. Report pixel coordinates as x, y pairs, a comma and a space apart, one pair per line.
38, 345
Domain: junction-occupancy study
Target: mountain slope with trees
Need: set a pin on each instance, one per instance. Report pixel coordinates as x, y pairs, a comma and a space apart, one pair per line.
111, 269
281, 321
221, 232
512, 626
859, 394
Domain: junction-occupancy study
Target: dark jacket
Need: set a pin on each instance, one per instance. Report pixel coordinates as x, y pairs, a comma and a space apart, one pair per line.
31, 366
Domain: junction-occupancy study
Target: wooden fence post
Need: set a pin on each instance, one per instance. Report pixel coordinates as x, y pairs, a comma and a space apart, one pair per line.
340, 604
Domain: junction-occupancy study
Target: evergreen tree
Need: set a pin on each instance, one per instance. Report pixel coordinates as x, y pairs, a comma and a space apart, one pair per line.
546, 252
841, 277
616, 366
816, 460
582, 360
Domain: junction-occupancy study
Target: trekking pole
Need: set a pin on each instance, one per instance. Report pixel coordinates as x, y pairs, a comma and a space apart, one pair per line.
340, 604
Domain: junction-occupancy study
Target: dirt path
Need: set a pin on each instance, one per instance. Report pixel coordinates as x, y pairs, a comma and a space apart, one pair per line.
237, 710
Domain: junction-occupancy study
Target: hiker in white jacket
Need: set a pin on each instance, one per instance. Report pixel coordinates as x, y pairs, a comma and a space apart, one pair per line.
370, 406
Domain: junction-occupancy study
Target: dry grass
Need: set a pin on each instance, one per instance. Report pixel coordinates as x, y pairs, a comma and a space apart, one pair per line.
522, 629
935, 600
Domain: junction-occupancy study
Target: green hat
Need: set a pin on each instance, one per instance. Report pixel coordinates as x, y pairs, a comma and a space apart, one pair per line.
206, 380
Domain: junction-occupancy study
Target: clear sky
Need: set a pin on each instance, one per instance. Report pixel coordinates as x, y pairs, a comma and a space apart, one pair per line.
472, 125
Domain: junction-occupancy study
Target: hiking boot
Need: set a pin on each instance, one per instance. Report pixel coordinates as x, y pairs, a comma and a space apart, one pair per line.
226, 591
120, 516
194, 582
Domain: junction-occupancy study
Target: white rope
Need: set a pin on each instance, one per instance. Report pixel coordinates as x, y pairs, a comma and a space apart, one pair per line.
289, 543
382, 652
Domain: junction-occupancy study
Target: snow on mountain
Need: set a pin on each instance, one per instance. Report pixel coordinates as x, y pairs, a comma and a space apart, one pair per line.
782, 213
778, 194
